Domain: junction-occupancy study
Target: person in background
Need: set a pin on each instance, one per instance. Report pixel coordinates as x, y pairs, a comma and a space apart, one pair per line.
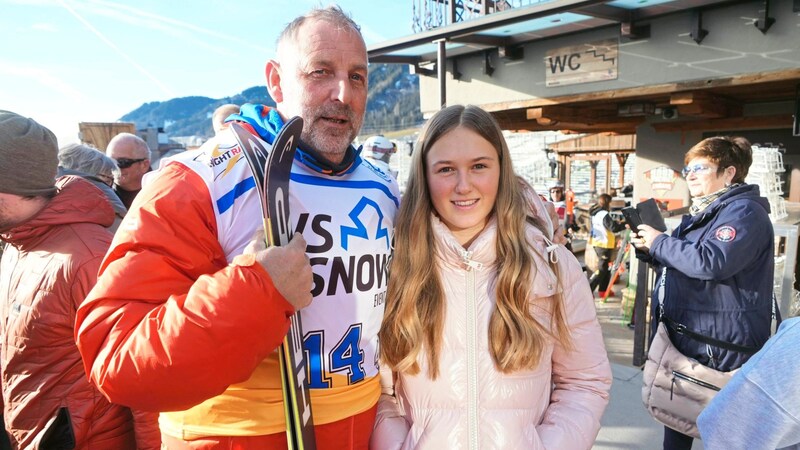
379, 151
759, 407
538, 205
190, 305
604, 241
569, 202
558, 199
56, 237
716, 269
133, 159
221, 114
490, 331
91, 164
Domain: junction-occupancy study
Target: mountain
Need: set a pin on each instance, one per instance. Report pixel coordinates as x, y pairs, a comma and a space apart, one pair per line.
392, 104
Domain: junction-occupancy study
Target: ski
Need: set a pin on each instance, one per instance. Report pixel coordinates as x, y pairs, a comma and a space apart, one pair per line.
271, 167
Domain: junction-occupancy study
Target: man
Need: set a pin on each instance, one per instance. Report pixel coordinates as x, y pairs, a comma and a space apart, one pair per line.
56, 239
182, 321
133, 158
222, 113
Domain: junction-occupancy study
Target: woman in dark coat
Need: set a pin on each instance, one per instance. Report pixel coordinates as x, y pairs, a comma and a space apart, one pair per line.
716, 269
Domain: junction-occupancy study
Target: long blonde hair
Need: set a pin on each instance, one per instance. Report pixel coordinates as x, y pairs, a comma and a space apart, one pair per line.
415, 307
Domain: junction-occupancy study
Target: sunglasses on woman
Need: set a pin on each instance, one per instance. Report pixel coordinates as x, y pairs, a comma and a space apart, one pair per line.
124, 163
696, 169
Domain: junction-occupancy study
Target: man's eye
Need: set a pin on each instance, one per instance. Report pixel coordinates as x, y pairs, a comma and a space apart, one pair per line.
357, 77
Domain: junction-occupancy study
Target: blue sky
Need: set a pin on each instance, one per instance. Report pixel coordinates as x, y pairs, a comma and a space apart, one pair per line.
69, 61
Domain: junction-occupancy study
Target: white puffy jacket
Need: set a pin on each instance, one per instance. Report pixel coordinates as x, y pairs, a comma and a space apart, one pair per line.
471, 405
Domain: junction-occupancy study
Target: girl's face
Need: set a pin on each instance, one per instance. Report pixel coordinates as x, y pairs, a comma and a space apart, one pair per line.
702, 177
463, 174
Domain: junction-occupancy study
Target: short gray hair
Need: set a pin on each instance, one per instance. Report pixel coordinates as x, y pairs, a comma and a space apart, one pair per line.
332, 14
86, 159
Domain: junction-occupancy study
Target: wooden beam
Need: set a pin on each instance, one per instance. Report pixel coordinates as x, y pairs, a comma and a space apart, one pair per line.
744, 123
645, 91
564, 113
591, 157
702, 104
617, 152
570, 128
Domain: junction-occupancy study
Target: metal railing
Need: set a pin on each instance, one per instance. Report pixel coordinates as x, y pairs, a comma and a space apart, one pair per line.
430, 14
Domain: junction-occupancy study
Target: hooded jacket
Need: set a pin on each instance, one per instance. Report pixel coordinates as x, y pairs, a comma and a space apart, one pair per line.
182, 322
719, 276
49, 266
472, 405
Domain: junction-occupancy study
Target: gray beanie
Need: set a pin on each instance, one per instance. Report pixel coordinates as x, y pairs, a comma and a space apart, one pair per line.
28, 156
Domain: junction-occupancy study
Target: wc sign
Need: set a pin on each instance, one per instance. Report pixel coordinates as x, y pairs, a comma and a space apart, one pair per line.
593, 61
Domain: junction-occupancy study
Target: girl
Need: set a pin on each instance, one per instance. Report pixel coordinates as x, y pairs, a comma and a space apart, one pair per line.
490, 331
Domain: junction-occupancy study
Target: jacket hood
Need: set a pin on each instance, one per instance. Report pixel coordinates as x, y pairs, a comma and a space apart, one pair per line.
116, 203
76, 201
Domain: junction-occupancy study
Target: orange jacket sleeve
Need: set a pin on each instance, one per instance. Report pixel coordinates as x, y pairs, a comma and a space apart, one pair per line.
170, 323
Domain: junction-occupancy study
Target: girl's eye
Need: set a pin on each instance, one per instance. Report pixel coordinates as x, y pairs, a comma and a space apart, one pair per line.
444, 169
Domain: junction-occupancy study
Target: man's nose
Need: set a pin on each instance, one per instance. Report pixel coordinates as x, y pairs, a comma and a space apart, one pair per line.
342, 91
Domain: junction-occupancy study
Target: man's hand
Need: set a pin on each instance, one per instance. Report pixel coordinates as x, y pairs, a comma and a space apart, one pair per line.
288, 267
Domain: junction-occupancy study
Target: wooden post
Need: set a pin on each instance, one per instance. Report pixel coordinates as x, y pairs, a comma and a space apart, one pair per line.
593, 176
568, 172
622, 158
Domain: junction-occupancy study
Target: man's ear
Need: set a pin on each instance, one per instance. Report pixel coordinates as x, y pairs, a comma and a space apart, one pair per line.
273, 74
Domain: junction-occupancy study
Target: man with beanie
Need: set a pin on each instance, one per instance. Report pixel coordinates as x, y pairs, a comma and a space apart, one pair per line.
133, 159
55, 238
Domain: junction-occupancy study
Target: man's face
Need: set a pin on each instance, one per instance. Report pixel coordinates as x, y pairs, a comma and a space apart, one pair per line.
13, 211
323, 79
133, 163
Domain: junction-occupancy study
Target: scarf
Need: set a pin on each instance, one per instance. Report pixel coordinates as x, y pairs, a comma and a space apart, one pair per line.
699, 204
267, 122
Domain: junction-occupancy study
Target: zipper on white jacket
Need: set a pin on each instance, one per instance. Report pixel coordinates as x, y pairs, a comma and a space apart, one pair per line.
472, 365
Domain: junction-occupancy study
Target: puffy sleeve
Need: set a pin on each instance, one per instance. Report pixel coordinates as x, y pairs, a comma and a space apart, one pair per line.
170, 323
391, 427
582, 375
